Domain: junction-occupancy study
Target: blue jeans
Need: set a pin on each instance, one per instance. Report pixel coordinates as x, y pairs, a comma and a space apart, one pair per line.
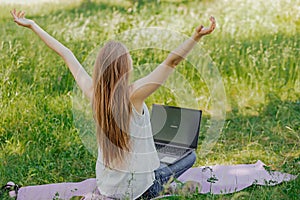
165, 172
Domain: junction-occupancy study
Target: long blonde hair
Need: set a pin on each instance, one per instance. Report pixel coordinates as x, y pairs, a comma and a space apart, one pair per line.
111, 105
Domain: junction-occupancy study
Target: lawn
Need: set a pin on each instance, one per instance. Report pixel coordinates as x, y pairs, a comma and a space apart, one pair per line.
255, 49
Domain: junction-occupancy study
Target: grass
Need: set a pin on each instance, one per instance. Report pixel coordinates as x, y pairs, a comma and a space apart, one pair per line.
255, 48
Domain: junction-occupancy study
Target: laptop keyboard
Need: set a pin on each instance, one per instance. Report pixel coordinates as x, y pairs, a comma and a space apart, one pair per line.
170, 150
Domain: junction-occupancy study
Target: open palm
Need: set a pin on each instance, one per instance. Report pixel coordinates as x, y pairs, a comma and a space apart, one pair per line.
19, 18
201, 31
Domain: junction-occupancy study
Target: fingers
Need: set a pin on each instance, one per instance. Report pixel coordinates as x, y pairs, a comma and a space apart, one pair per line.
13, 13
203, 30
20, 14
213, 23
199, 28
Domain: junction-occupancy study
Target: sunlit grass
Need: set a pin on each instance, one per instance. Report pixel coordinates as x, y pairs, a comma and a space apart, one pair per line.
255, 48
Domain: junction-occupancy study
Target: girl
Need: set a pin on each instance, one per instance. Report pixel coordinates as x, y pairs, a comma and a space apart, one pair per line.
127, 164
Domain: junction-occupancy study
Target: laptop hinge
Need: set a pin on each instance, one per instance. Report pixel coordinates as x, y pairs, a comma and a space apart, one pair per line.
174, 145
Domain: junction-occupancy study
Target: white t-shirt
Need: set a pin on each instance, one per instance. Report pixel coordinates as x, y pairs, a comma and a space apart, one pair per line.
137, 176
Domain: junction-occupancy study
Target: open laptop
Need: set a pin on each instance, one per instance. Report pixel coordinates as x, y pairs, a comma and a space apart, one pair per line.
175, 131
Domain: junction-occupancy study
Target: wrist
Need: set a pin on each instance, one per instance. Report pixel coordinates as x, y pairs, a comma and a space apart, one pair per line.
196, 37
32, 24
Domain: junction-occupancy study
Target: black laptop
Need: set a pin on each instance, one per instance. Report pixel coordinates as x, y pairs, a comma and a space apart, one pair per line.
175, 131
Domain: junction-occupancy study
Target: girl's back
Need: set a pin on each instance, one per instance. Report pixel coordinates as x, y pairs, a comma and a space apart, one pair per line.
137, 173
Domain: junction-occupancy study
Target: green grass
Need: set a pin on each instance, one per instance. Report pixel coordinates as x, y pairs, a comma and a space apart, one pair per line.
255, 48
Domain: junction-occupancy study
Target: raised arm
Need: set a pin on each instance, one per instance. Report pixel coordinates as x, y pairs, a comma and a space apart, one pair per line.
81, 76
144, 87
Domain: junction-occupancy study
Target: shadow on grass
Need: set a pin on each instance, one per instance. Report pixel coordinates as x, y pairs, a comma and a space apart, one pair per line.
272, 136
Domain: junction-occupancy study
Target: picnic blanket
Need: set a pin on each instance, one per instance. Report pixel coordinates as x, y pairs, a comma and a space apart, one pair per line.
217, 179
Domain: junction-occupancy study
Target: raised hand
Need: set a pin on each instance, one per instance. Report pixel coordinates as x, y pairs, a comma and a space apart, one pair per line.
201, 30
19, 18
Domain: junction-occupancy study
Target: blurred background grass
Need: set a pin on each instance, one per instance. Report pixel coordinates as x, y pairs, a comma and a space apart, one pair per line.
255, 48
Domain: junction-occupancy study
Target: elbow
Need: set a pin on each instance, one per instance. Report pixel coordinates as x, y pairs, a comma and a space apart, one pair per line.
65, 53
173, 59
172, 62
175, 62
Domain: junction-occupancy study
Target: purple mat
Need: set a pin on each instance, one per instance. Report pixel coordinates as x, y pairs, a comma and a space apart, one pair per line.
218, 179
222, 179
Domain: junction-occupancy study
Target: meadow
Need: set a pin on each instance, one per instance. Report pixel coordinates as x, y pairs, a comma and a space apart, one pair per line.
255, 49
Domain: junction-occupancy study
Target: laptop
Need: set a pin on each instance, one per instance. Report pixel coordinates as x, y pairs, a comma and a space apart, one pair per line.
175, 131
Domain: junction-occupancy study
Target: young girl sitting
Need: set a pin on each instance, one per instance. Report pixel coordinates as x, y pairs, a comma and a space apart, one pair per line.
127, 164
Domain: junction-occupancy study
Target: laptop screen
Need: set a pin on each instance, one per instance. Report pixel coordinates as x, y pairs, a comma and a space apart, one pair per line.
174, 125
